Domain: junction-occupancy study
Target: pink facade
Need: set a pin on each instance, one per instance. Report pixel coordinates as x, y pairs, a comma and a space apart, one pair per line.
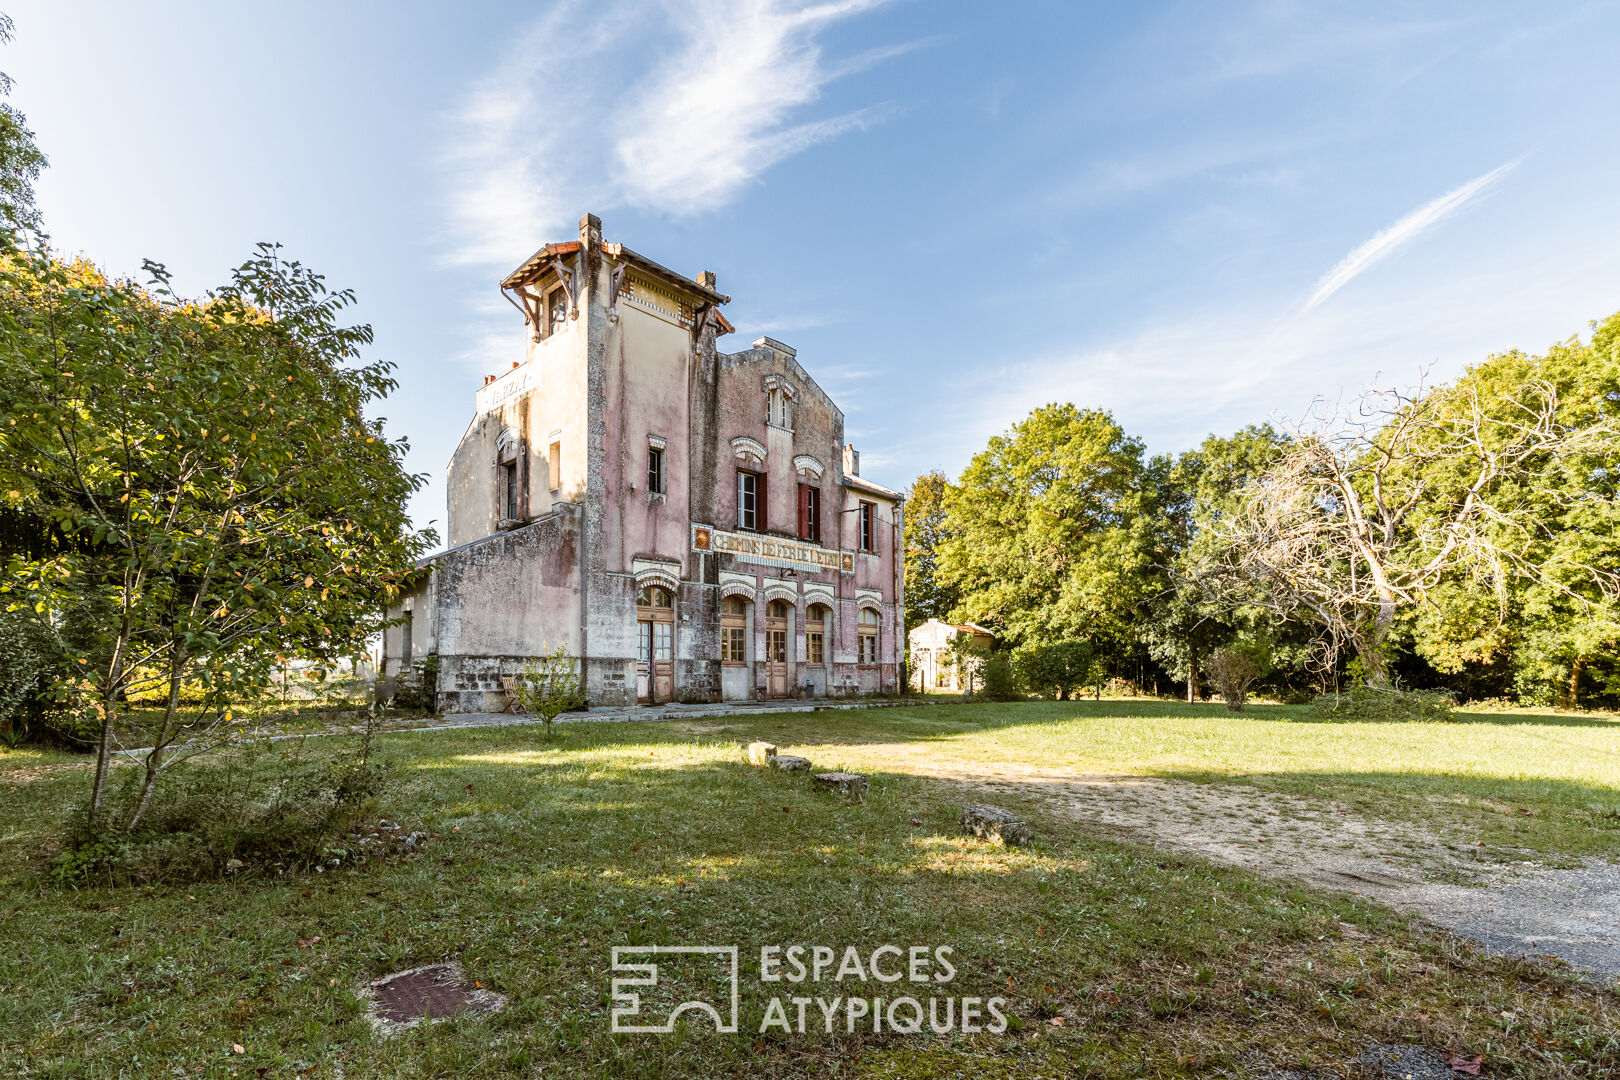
688, 522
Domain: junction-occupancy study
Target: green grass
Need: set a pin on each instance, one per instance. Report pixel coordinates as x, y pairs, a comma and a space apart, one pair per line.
547, 854
1543, 782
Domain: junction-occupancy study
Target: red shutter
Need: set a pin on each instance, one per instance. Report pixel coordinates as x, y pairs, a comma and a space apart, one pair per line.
804, 511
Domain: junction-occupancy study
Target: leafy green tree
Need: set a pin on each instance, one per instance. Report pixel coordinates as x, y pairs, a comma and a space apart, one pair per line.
1182, 625
1045, 534
1557, 622
216, 495
927, 596
20, 158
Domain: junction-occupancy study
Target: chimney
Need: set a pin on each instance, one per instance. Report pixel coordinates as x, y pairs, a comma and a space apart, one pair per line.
590, 232
709, 281
852, 460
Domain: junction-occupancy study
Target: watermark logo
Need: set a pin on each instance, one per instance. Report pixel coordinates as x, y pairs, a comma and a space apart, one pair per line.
839, 991
721, 967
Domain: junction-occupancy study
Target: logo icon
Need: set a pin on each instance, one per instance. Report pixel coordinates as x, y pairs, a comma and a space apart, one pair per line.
627, 992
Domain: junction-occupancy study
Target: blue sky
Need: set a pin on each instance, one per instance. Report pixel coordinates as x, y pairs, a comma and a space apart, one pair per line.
1195, 215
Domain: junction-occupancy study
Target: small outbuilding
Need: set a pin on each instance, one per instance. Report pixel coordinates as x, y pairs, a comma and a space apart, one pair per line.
938, 657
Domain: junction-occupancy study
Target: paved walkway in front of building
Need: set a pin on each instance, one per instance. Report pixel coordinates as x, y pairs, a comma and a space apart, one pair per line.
676, 711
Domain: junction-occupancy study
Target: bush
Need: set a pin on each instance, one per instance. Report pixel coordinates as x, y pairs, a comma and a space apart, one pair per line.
420, 692
1233, 671
997, 681
1371, 703
1056, 670
25, 678
265, 809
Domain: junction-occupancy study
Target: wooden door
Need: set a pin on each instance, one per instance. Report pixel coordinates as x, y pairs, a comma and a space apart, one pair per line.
776, 636
655, 645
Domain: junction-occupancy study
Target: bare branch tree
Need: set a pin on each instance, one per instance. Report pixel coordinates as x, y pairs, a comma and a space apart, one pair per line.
1374, 504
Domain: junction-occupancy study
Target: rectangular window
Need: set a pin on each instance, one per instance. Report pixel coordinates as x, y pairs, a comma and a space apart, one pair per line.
733, 645
554, 461
868, 526
868, 654
748, 516
815, 644
655, 470
809, 513
509, 490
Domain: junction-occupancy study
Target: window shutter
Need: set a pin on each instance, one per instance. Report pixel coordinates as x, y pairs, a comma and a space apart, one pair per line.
804, 511
760, 502
523, 479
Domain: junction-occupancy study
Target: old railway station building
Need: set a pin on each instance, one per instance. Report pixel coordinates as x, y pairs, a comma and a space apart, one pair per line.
686, 521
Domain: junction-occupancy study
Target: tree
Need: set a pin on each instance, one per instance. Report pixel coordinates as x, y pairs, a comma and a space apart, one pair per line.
213, 493
20, 159
549, 686
1182, 625
927, 596
1559, 628
1045, 534
1371, 508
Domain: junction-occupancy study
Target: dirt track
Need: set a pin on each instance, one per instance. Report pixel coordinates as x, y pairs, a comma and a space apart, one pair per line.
1517, 909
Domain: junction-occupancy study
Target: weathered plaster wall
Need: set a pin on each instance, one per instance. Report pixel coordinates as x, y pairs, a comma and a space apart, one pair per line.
503, 601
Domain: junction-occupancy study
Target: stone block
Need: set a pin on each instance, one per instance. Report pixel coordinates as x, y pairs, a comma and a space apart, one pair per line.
844, 783
789, 763
994, 824
760, 753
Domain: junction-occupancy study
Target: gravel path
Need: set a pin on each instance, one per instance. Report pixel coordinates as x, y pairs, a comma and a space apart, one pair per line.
1518, 909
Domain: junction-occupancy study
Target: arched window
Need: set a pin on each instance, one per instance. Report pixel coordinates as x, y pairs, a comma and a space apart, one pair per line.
734, 631
867, 631
815, 634
656, 596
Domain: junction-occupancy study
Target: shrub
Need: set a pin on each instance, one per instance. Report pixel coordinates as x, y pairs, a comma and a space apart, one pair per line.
25, 678
1233, 671
997, 682
549, 686
1056, 670
1371, 703
265, 808
421, 690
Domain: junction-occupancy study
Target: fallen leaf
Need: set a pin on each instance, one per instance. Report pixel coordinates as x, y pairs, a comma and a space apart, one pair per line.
306, 942
1466, 1066
914, 821
1056, 1021
236, 1048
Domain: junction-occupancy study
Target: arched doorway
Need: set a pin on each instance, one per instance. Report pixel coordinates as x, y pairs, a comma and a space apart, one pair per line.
655, 645
818, 648
776, 648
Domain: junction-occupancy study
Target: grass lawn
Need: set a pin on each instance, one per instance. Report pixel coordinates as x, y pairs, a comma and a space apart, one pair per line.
1114, 960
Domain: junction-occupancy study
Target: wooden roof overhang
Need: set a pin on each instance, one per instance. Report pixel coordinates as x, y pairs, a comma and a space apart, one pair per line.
556, 258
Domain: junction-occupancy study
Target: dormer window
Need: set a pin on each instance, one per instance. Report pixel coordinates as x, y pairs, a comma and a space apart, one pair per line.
556, 310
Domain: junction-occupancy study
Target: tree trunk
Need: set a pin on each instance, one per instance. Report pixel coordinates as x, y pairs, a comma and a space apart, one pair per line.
1192, 677
154, 757
1575, 670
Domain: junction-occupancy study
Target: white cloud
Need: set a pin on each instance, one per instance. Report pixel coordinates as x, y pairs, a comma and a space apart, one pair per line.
669, 106
1401, 233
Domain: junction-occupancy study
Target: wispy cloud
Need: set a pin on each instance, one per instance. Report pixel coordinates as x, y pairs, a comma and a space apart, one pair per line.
669, 106
1403, 232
